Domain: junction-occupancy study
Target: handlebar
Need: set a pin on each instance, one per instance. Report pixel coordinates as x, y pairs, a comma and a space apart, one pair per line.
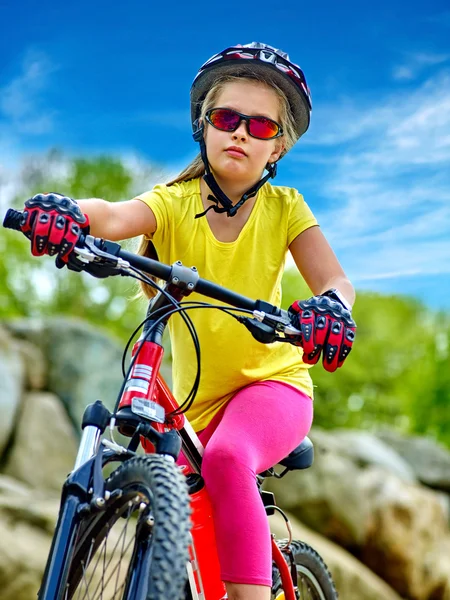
109, 258
13, 219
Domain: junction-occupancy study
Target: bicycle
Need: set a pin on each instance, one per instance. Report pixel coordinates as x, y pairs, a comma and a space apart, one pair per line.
163, 513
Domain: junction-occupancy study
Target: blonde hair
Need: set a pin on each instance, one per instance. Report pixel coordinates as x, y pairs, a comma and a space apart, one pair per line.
197, 169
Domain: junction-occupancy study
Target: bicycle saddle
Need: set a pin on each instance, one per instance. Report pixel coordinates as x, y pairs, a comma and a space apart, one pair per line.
300, 458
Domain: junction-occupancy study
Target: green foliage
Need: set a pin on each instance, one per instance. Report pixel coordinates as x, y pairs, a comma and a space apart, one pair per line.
99, 178
32, 286
397, 373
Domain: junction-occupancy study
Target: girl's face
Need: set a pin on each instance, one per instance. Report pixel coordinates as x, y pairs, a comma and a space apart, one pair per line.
246, 166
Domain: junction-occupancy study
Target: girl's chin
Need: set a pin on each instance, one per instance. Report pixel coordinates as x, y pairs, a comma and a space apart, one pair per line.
235, 171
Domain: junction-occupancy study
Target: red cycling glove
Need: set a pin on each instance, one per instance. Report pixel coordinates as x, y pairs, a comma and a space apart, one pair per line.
53, 223
327, 328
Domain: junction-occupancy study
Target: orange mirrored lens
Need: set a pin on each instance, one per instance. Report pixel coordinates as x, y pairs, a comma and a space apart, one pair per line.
227, 119
262, 128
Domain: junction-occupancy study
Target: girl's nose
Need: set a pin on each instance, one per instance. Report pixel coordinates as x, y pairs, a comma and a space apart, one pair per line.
241, 131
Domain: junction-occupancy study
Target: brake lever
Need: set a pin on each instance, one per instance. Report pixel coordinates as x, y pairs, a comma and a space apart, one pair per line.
262, 332
93, 253
98, 261
281, 323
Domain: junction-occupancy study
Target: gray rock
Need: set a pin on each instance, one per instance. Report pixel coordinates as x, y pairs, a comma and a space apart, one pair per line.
23, 554
84, 364
11, 487
366, 449
27, 522
45, 443
429, 461
35, 365
353, 580
11, 385
392, 524
408, 525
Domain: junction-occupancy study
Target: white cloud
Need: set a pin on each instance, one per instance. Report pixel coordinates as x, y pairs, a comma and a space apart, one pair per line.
22, 110
415, 63
387, 181
23, 115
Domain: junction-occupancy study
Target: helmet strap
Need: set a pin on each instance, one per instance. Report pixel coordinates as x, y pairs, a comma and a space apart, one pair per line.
218, 196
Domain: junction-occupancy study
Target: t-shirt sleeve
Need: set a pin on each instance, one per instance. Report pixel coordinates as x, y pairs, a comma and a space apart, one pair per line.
158, 199
300, 218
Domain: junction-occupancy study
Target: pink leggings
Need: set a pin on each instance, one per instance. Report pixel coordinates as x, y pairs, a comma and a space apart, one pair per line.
259, 426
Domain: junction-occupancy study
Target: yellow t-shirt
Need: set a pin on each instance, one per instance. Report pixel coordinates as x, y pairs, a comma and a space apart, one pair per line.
252, 266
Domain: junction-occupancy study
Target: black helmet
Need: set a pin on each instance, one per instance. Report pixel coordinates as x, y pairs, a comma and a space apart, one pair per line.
256, 58
241, 61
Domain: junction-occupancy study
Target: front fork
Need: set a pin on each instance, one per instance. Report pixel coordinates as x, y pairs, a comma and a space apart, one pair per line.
85, 477
95, 420
89, 445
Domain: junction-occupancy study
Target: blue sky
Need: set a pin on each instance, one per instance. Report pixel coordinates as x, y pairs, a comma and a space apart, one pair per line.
374, 166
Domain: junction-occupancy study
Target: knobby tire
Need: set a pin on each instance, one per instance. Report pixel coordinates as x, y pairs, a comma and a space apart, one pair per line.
314, 581
149, 501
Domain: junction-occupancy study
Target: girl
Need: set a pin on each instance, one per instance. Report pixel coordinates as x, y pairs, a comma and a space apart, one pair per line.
249, 106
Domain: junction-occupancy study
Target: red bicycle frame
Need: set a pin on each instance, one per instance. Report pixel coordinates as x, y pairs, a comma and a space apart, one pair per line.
145, 383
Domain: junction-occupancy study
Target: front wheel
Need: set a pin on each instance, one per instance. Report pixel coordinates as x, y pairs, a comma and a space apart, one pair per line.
136, 548
314, 580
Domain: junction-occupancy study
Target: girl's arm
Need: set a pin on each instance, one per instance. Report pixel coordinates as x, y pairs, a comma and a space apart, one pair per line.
318, 264
118, 220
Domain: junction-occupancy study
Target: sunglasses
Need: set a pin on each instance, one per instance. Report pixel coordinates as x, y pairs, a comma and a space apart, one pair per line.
227, 119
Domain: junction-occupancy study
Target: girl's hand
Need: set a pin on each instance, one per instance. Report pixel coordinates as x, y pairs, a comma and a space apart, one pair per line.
327, 327
53, 223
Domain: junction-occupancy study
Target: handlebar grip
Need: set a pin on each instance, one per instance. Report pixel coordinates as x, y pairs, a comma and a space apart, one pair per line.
13, 219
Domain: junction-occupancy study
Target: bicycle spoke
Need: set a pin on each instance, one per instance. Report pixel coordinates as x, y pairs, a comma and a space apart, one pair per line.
88, 559
107, 567
123, 543
104, 583
114, 569
307, 587
94, 568
104, 561
84, 580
